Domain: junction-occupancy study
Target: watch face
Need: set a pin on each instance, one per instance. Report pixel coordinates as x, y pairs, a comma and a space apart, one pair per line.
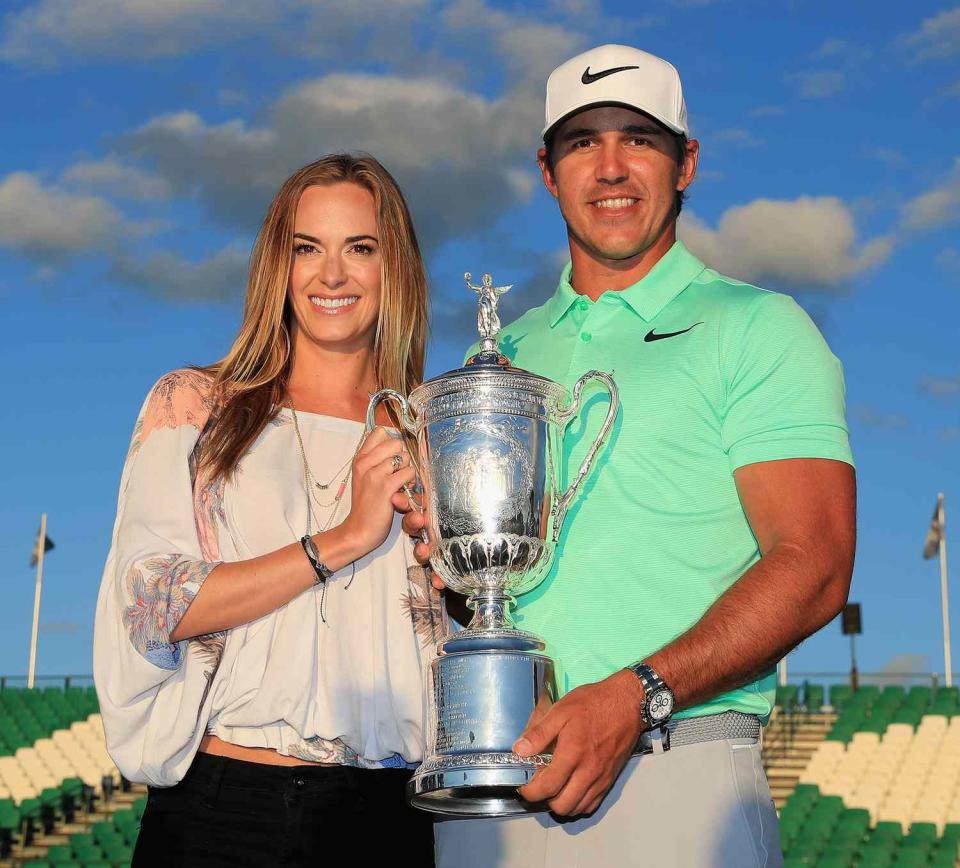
661, 704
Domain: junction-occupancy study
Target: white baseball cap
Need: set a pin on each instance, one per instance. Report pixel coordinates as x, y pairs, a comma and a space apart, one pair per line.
617, 75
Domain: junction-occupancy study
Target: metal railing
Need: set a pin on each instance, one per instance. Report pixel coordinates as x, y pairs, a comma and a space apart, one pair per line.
64, 681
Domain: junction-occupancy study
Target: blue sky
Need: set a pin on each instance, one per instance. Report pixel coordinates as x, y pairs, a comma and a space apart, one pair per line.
143, 140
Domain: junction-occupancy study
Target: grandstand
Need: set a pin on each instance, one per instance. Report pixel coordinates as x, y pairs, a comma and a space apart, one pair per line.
867, 778
62, 800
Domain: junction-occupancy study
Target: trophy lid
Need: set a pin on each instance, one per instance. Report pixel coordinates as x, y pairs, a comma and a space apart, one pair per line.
488, 368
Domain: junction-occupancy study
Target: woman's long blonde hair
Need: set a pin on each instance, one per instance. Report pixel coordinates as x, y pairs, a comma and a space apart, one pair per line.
250, 381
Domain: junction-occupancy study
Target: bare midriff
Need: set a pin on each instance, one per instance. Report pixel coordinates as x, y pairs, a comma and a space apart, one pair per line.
218, 747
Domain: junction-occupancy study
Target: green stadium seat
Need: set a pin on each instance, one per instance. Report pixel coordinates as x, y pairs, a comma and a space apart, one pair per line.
887, 830
37, 863
88, 853
842, 850
919, 696
951, 832
807, 791
118, 853
9, 815
875, 860
60, 854
951, 693
786, 695
832, 803
923, 831
140, 805
839, 694
127, 825
907, 859
813, 696
876, 723
104, 830
807, 851
907, 715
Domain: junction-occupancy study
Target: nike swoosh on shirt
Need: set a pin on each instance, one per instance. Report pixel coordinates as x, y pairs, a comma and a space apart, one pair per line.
650, 336
590, 77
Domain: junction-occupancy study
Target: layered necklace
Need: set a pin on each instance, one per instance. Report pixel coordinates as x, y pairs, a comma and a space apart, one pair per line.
312, 486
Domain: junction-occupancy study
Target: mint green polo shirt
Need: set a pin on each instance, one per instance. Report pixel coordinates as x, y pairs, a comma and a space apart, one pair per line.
713, 374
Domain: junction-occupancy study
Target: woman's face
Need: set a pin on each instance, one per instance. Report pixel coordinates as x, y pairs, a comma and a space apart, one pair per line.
335, 280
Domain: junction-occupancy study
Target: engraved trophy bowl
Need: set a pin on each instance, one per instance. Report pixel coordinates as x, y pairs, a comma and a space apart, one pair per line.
489, 439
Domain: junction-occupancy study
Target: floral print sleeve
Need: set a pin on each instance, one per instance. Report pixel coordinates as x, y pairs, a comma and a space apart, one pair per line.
160, 590
159, 560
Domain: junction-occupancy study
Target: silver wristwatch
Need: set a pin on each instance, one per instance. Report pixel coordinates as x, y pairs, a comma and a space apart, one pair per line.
658, 699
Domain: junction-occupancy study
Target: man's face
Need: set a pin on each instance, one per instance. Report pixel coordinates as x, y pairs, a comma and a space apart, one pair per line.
615, 176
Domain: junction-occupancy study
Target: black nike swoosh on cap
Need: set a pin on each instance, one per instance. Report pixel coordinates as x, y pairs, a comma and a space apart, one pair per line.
590, 77
650, 336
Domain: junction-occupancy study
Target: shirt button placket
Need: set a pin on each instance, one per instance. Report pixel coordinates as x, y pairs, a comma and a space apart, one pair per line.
584, 306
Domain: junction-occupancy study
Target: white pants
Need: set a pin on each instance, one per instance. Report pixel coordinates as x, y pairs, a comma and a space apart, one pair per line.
703, 805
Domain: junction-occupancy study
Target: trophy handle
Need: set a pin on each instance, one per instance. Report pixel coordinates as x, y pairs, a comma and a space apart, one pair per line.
563, 419
386, 395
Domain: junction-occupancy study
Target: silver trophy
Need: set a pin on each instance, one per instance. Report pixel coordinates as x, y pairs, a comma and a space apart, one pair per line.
489, 440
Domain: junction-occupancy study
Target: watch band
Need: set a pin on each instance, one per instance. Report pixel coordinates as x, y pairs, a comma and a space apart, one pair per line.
322, 573
652, 685
648, 678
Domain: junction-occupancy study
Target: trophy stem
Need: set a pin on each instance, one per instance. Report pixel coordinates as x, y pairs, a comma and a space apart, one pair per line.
491, 609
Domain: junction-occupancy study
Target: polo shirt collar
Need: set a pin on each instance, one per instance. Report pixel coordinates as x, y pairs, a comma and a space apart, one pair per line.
674, 272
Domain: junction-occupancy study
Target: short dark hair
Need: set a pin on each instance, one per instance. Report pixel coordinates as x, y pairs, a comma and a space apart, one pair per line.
679, 139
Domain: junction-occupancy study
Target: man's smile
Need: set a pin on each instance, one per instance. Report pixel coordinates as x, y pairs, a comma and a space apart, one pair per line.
615, 202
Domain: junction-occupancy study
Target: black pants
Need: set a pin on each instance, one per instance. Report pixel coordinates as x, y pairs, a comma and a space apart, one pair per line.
233, 813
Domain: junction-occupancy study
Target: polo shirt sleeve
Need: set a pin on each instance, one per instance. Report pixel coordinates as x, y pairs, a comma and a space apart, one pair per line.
783, 387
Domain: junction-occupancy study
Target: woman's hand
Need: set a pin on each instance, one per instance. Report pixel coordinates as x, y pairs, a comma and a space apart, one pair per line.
377, 475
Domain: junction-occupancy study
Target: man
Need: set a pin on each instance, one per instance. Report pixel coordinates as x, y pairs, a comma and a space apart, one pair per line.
716, 531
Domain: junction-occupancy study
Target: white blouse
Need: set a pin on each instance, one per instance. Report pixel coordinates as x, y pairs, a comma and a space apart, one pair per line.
347, 690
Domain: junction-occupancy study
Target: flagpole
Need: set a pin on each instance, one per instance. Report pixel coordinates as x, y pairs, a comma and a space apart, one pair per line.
41, 549
947, 666
782, 671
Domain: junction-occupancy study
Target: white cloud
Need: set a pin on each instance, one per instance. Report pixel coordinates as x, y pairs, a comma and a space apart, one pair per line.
46, 222
460, 158
52, 32
118, 179
936, 207
130, 29
938, 37
738, 137
766, 111
892, 156
809, 243
941, 386
872, 418
948, 261
819, 84
221, 277
531, 48
832, 48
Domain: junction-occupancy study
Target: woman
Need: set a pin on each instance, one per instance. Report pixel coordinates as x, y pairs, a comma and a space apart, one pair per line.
262, 625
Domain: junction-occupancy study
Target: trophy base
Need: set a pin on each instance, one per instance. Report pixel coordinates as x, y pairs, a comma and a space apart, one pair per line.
475, 785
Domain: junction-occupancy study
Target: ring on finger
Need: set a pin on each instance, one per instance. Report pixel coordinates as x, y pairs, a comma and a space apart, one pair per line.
397, 462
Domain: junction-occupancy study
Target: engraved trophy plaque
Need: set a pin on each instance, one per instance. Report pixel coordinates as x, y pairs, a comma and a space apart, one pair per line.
489, 439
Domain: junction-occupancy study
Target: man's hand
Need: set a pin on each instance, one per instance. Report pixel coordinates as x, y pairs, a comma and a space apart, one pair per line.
414, 522
595, 728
